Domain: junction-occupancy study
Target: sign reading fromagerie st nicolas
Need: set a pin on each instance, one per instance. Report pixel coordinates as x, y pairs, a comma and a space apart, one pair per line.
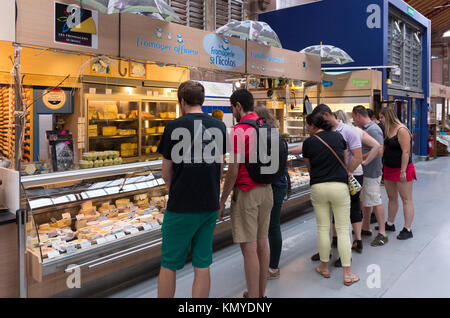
274, 62
149, 39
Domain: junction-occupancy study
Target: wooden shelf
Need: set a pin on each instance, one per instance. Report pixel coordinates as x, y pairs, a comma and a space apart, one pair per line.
113, 137
95, 121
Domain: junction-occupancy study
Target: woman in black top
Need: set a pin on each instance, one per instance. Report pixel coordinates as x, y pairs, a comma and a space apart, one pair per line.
399, 171
329, 189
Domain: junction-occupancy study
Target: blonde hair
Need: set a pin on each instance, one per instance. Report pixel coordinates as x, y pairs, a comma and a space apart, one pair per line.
342, 116
391, 120
218, 114
265, 113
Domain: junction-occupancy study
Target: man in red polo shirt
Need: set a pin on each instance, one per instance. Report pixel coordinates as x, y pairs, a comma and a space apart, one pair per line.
251, 202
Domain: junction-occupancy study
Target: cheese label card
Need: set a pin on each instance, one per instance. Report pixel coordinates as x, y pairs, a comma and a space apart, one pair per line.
155, 225
85, 244
53, 254
147, 211
103, 218
130, 215
110, 238
100, 240
147, 227
71, 249
120, 235
133, 231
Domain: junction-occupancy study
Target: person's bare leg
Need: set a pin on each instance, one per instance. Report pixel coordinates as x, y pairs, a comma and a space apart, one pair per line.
367, 211
202, 283
357, 231
166, 283
392, 193
405, 190
379, 213
251, 266
264, 259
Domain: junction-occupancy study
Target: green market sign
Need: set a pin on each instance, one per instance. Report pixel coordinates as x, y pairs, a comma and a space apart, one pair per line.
358, 82
411, 11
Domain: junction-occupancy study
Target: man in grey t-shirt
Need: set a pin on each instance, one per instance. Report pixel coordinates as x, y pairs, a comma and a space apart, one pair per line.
371, 192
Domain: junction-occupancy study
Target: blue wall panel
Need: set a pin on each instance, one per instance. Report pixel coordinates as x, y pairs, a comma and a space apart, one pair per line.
334, 22
360, 27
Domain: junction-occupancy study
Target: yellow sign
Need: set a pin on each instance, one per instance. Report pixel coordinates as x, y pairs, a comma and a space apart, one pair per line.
54, 99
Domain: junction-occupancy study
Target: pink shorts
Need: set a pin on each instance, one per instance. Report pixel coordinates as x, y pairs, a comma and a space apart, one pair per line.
393, 174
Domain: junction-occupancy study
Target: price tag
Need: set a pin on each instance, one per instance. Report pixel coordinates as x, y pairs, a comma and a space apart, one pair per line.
103, 218
133, 230
120, 235
147, 211
100, 240
161, 181
108, 91
92, 90
53, 254
110, 238
142, 185
155, 225
131, 214
71, 249
147, 227
85, 244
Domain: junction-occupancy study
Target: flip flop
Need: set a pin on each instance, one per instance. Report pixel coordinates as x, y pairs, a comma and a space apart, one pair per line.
325, 274
350, 280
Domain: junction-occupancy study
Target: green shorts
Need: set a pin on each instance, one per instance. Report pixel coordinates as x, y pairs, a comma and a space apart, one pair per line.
183, 230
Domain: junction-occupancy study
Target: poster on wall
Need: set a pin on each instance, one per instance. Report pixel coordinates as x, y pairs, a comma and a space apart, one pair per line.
75, 26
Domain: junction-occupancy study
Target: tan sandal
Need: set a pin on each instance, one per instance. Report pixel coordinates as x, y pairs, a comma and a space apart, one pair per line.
350, 280
325, 274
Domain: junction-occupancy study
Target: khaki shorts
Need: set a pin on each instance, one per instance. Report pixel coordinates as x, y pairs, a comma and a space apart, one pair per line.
250, 213
371, 192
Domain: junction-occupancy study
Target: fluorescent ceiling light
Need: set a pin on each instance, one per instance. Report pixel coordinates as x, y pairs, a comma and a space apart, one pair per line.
446, 34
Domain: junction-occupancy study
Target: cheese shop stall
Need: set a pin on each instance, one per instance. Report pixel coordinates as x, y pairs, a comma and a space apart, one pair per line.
94, 221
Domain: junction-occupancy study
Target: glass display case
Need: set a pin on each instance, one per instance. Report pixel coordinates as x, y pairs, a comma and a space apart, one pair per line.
131, 125
155, 116
87, 214
114, 125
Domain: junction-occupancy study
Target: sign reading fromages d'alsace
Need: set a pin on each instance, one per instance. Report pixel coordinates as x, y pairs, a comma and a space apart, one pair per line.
154, 40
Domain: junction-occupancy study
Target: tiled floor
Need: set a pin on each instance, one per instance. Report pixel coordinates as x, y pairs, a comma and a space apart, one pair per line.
418, 267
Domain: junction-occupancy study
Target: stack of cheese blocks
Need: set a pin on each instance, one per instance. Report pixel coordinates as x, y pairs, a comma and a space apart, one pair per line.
128, 149
7, 122
55, 236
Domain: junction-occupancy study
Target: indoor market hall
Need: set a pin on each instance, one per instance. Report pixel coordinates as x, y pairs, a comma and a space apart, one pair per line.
253, 151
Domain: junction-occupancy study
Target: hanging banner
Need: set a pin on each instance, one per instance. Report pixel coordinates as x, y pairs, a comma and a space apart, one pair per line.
149, 39
274, 62
75, 26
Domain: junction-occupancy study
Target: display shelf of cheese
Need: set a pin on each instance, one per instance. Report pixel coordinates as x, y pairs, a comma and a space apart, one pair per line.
68, 219
95, 226
299, 177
